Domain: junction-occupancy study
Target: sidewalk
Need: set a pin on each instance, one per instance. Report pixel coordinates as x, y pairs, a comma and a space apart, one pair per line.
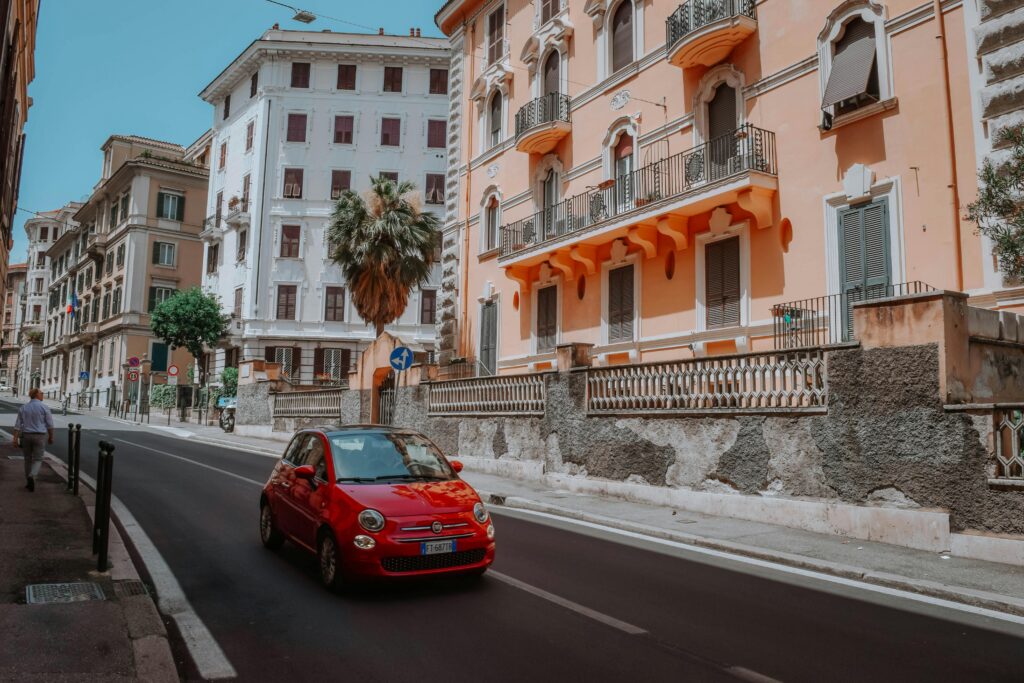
46, 538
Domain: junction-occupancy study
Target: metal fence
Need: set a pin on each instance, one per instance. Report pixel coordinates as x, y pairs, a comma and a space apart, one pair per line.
788, 380
696, 14
1009, 443
321, 403
498, 395
824, 320
747, 148
545, 109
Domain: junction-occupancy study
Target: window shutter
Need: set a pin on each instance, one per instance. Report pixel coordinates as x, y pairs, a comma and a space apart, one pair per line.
722, 283
296, 127
722, 112
152, 299
864, 240
270, 354
180, 214
547, 318
622, 36
489, 336
156, 252
160, 205
876, 247
852, 65
551, 69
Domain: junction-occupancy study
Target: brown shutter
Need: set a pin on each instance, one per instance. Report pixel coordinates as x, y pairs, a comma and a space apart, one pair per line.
547, 318
622, 36
620, 304
852, 64
346, 77
296, 127
318, 362
343, 126
436, 131
722, 283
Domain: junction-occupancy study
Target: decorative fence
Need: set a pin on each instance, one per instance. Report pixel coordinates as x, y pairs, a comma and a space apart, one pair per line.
545, 109
745, 149
499, 395
788, 380
828, 319
1009, 443
321, 403
695, 14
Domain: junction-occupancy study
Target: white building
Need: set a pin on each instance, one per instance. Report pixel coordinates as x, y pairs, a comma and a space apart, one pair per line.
298, 117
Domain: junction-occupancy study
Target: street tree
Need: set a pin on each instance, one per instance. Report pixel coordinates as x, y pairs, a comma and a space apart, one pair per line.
385, 245
999, 208
190, 319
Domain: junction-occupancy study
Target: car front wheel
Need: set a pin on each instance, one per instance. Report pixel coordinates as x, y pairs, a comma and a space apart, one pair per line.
271, 537
330, 561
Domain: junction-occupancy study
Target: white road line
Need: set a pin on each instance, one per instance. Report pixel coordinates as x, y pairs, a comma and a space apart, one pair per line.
764, 564
569, 604
193, 462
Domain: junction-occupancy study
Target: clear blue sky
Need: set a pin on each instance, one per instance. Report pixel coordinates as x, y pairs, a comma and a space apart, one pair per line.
136, 66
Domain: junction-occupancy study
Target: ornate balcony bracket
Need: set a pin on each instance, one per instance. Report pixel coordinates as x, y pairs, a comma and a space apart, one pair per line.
520, 276
675, 228
645, 237
586, 254
758, 202
562, 261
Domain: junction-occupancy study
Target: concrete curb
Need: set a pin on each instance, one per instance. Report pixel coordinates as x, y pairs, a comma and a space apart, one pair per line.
967, 596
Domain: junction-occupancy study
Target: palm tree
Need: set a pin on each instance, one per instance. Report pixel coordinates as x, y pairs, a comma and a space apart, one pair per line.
385, 246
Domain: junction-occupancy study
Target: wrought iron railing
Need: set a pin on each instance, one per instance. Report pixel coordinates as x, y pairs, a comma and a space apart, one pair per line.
546, 109
498, 395
824, 320
745, 149
321, 403
462, 369
696, 14
1009, 443
776, 380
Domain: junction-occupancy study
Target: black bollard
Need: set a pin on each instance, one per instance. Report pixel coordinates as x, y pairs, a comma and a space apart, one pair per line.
103, 510
78, 456
71, 456
101, 465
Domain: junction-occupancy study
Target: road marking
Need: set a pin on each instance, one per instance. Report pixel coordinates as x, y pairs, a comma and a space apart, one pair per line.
569, 604
772, 567
193, 462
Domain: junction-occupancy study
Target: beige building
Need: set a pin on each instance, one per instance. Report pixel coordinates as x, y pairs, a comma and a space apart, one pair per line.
136, 242
15, 289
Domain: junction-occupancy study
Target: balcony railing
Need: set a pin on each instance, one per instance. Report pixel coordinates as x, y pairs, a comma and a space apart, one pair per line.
743, 150
321, 403
498, 395
825, 320
695, 14
546, 109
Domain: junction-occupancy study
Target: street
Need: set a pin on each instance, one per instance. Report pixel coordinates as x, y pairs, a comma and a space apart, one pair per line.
564, 602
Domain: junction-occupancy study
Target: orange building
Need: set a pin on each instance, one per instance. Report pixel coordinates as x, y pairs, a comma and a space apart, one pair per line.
663, 180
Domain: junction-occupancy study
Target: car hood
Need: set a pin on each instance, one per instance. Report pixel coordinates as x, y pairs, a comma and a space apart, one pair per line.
413, 498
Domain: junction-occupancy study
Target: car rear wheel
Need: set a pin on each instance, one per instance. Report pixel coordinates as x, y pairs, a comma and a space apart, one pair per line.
271, 537
329, 559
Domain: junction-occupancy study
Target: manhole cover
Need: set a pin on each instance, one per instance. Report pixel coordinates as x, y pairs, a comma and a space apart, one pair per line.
48, 593
125, 589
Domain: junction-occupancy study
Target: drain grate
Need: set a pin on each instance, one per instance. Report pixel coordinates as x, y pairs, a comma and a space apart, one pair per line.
126, 589
50, 593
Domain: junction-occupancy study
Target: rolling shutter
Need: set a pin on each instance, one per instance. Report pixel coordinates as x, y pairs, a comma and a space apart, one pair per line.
489, 337
622, 36
865, 260
721, 123
547, 318
852, 64
722, 283
551, 80
620, 304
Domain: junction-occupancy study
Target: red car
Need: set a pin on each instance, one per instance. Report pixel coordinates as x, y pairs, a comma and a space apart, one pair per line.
375, 501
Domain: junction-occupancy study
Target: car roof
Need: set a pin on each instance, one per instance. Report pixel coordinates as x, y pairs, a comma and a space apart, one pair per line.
342, 429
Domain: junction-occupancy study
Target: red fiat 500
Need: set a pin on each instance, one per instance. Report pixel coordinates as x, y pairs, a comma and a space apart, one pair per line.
374, 501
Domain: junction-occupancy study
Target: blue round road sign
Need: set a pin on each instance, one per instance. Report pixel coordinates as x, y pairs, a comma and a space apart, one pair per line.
401, 358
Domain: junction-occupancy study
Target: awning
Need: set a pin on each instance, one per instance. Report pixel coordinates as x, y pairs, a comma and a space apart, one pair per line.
851, 71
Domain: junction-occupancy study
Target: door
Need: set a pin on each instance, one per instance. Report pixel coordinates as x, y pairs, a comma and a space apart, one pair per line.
551, 78
721, 124
282, 482
864, 258
386, 399
550, 199
489, 337
309, 498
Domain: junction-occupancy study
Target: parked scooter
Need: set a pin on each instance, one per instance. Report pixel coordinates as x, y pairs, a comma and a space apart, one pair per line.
227, 412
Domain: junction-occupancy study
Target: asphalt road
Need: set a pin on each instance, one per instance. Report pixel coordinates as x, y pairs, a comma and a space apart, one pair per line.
702, 619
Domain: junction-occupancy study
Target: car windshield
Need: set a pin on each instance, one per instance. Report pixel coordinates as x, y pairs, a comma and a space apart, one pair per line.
375, 457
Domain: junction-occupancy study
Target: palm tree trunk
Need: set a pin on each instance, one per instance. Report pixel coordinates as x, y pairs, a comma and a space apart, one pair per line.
380, 328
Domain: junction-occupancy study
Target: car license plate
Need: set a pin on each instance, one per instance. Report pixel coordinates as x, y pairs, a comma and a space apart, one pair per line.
437, 547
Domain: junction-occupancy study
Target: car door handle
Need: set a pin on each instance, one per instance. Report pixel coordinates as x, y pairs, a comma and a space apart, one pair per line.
285, 485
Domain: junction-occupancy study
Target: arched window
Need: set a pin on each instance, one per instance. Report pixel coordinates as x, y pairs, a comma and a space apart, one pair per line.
552, 80
494, 119
492, 218
853, 81
623, 156
622, 35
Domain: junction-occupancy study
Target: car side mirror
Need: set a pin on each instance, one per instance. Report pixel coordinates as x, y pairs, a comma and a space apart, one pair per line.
305, 472
456, 465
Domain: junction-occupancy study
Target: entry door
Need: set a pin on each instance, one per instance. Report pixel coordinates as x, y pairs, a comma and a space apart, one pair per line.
489, 337
551, 75
864, 257
721, 123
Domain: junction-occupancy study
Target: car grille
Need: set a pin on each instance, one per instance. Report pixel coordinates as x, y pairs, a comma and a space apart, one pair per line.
418, 563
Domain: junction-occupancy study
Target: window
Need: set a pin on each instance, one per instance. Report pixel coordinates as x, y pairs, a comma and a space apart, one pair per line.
289, 357
250, 134
125, 198
113, 215
212, 257
722, 282
439, 81
392, 79
218, 209
290, 237
242, 238
223, 161
227, 107
428, 306
159, 357
623, 159
254, 83
334, 304
286, 301
115, 306
37, 312
390, 132
44, 234
494, 119
300, 74
548, 9
620, 304
158, 295
853, 77
622, 36
547, 319
237, 310
492, 213
331, 365
437, 131
346, 77
296, 128
340, 181
120, 256
435, 188
343, 129
38, 287
293, 183
389, 175
170, 205
496, 35
40, 260
163, 253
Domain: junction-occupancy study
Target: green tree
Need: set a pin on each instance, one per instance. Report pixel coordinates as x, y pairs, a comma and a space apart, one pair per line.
385, 246
190, 319
999, 209
230, 380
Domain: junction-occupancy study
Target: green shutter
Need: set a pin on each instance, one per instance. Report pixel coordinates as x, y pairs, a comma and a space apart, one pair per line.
865, 258
159, 357
156, 252
180, 214
160, 205
152, 299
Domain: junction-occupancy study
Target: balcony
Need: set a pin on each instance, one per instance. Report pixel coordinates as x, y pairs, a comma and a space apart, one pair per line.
89, 332
213, 229
542, 123
738, 167
238, 214
96, 246
704, 32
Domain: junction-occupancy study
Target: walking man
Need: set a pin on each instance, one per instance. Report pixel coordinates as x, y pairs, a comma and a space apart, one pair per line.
34, 430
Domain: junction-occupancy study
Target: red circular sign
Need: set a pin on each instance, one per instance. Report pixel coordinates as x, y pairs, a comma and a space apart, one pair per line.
172, 370
133, 376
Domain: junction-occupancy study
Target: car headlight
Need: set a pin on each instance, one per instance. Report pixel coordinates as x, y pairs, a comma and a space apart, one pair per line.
480, 512
371, 520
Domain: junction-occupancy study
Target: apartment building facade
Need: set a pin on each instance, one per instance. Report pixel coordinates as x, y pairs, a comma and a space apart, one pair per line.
299, 117
131, 245
656, 180
12, 320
